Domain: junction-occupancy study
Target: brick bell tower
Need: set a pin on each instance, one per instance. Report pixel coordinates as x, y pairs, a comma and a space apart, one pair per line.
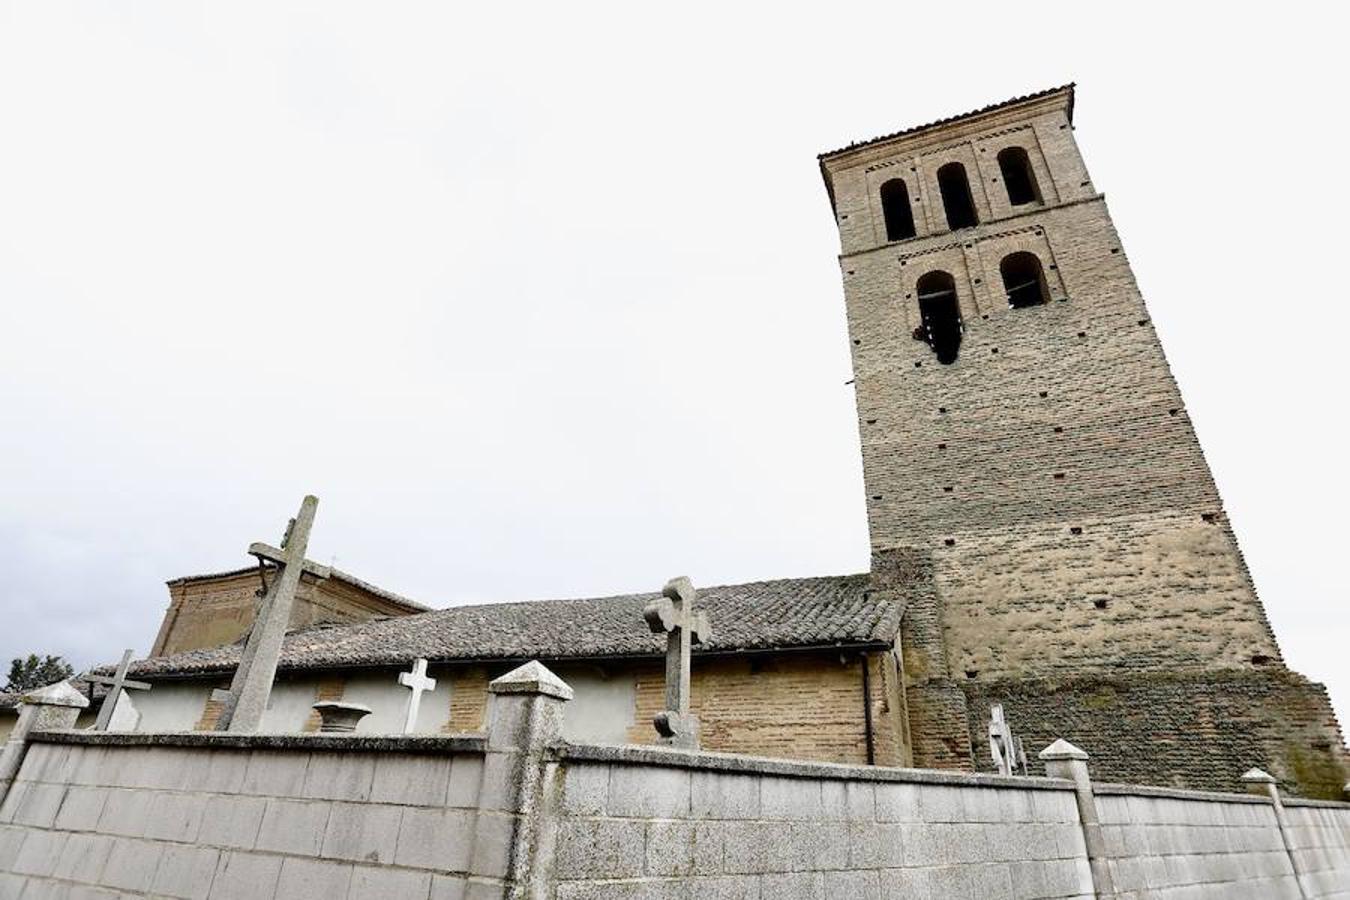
1036, 494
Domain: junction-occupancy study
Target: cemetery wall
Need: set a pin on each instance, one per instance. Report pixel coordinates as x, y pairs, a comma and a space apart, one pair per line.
1319, 838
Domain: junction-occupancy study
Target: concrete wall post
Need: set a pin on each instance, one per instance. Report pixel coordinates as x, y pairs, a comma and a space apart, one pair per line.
45, 709
1064, 760
1262, 783
525, 717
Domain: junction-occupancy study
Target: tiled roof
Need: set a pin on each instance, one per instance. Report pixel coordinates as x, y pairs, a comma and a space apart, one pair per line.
950, 119
788, 613
390, 596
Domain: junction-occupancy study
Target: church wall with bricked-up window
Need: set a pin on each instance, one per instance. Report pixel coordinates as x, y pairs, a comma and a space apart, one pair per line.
1039, 496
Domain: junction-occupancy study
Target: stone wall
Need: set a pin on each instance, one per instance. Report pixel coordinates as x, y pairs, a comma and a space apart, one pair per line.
1171, 843
1319, 836
520, 813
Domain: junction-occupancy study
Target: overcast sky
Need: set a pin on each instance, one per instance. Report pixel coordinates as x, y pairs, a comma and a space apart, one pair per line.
543, 300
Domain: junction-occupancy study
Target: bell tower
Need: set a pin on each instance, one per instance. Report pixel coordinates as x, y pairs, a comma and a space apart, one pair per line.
1035, 489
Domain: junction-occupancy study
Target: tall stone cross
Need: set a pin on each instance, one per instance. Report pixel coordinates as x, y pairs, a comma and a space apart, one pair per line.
675, 615
116, 684
417, 682
246, 700
1004, 747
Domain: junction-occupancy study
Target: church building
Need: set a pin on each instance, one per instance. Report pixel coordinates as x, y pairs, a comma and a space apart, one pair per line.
1045, 531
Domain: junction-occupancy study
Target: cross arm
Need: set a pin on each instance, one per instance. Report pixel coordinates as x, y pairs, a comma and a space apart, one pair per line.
274, 555
108, 680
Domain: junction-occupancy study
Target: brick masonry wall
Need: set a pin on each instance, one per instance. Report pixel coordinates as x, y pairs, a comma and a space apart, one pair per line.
1320, 838
628, 831
1206, 728
245, 824
1202, 848
209, 612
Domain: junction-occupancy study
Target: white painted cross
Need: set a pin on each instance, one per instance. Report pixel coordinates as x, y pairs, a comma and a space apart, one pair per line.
1003, 746
417, 682
116, 684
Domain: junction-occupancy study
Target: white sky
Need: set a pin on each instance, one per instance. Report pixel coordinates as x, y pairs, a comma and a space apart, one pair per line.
543, 301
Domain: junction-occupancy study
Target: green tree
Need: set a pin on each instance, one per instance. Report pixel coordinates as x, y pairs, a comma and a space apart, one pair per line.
36, 671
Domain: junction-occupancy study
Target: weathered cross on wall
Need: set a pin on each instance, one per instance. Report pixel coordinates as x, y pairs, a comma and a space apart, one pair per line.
417, 682
246, 700
116, 684
675, 615
1004, 747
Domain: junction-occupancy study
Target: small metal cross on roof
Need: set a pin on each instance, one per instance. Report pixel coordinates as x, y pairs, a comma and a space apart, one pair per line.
675, 615
417, 682
1004, 747
116, 684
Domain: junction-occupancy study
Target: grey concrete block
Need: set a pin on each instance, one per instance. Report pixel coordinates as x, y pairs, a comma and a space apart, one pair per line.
340, 776
81, 809
494, 834
781, 797
362, 832
275, 773
12, 885
232, 822
940, 803
175, 817
185, 872
313, 879
878, 845
12, 799
410, 779
714, 795
792, 886
445, 887
599, 848
484, 889
132, 864
750, 848
39, 854
466, 775
221, 771
383, 883
439, 839
683, 849
499, 788
293, 826
648, 792
11, 837
246, 876
585, 789
819, 845
38, 804
125, 812
83, 857
88, 765
898, 802
85, 892
864, 885
724, 887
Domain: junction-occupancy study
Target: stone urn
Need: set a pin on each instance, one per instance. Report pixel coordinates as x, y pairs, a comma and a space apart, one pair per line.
336, 717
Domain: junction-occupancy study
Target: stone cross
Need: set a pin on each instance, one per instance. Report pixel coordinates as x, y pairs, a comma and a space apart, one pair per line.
1007, 751
116, 684
415, 681
675, 615
246, 700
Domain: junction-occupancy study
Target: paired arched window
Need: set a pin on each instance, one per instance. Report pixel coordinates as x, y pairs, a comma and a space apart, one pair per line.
1018, 176
956, 200
940, 314
895, 209
1023, 280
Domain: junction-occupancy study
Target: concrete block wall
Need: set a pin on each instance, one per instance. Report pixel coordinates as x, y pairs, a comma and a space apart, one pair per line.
1178, 844
288, 819
654, 824
1319, 839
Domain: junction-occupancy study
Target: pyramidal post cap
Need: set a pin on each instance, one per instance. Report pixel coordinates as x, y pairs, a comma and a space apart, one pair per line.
532, 678
1258, 776
62, 693
1062, 749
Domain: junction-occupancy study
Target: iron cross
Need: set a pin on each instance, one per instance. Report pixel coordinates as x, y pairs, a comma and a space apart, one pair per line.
116, 684
246, 700
415, 681
675, 615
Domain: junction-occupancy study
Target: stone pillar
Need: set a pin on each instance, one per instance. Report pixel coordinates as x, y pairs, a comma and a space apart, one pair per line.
1263, 784
512, 837
1064, 760
52, 707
